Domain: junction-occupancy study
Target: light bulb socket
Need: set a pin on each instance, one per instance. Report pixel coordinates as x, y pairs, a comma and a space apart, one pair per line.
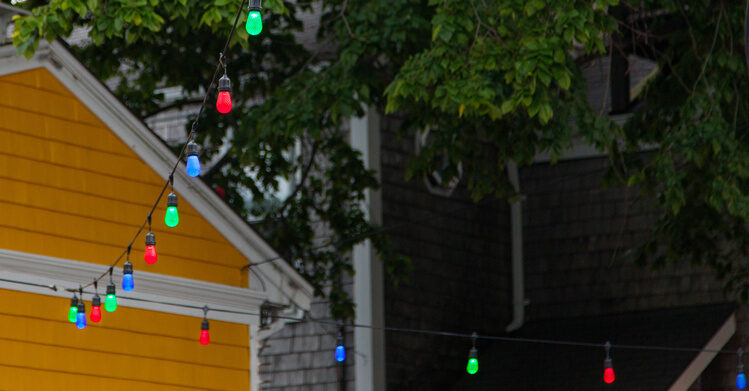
474, 353
204, 325
74, 301
224, 85
81, 307
150, 239
192, 148
608, 363
741, 368
127, 268
111, 289
256, 5
171, 199
96, 301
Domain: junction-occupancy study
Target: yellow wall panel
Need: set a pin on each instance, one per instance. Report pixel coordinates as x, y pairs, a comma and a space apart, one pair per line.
72, 189
39, 80
129, 347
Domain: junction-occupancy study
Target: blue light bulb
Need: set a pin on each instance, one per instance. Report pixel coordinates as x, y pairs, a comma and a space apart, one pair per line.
127, 282
193, 166
340, 353
193, 163
741, 381
80, 320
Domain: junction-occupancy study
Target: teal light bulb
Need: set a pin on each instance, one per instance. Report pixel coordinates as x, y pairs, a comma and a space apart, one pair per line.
254, 23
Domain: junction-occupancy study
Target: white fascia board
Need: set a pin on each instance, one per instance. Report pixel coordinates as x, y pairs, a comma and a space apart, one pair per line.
66, 273
706, 356
282, 283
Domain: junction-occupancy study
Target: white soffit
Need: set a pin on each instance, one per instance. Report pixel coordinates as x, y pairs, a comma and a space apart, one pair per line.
65, 273
281, 283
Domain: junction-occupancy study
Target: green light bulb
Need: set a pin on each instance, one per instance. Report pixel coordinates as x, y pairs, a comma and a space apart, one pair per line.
254, 23
473, 366
171, 219
73, 313
110, 303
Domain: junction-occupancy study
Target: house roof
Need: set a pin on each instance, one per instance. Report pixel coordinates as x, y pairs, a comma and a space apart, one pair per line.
278, 280
526, 366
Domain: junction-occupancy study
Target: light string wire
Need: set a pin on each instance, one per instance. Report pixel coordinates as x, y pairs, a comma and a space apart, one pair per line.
469, 336
170, 179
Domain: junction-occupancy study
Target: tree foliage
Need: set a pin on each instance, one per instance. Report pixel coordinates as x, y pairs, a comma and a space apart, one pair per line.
495, 80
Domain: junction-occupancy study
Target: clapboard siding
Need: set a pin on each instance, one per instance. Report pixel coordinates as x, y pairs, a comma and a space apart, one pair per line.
72, 189
145, 348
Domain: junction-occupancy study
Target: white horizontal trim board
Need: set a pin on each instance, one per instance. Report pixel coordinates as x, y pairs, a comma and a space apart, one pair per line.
65, 273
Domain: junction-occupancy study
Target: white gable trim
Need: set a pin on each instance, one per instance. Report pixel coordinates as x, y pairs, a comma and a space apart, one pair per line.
66, 273
282, 284
703, 359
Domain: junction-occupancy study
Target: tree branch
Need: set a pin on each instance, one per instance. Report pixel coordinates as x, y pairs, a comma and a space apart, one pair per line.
305, 174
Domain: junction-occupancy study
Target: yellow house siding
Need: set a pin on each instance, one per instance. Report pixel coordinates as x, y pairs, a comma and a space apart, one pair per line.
70, 188
129, 349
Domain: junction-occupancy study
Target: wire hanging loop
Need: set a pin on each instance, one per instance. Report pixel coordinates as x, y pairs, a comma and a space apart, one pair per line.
111, 269
607, 346
129, 247
474, 337
205, 312
96, 287
171, 181
740, 353
222, 61
80, 290
149, 221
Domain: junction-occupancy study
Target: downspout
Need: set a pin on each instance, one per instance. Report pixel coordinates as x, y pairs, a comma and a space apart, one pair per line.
516, 224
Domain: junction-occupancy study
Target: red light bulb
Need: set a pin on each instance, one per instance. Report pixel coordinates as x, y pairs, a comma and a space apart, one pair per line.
223, 103
96, 309
95, 314
608, 375
205, 336
150, 254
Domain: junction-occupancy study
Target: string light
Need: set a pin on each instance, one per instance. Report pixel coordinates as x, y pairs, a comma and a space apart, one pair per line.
96, 304
740, 376
254, 19
223, 102
171, 218
340, 350
150, 255
205, 335
81, 313
473, 357
127, 274
96, 308
73, 311
608, 366
110, 302
193, 162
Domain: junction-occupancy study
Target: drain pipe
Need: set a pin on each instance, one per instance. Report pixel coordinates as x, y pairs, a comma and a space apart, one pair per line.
516, 223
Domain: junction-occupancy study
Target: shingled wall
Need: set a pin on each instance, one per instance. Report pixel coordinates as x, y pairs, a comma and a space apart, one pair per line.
460, 281
577, 237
